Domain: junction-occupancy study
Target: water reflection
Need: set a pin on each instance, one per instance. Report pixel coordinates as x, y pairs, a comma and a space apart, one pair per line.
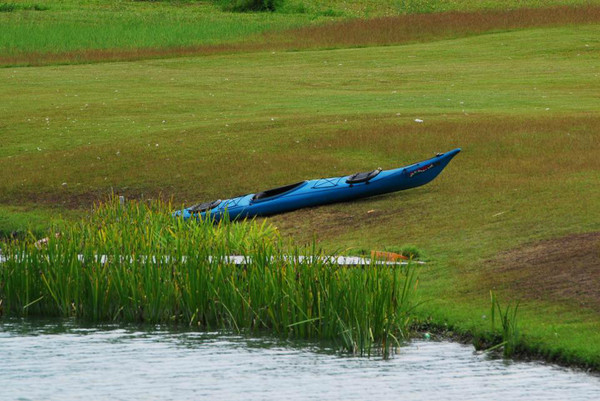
64, 360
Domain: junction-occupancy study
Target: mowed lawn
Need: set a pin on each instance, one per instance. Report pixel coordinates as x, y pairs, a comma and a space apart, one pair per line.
524, 106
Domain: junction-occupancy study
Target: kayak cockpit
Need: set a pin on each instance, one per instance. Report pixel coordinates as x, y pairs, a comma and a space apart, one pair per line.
363, 177
276, 191
203, 207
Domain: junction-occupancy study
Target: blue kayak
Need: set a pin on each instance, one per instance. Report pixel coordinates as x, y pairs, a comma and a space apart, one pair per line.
322, 191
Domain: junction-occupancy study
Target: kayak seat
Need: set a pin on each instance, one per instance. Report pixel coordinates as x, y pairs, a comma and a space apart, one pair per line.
276, 191
363, 177
202, 207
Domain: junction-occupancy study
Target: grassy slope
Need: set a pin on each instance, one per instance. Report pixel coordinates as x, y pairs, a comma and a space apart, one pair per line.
523, 106
76, 25
20, 219
371, 8
73, 31
87, 126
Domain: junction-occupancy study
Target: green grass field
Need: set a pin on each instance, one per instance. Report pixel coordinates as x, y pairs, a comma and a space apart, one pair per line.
522, 103
73, 31
97, 25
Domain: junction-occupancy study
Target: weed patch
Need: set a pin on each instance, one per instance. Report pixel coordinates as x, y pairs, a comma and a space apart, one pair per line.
509, 329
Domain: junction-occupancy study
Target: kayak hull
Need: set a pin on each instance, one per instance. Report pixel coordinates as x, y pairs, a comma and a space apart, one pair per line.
325, 190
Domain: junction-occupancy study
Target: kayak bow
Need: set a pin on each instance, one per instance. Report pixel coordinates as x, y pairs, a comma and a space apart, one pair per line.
322, 191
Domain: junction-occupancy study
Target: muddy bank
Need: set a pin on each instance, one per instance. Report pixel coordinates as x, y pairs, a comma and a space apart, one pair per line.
565, 269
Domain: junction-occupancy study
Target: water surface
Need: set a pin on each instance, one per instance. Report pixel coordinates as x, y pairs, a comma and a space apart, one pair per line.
64, 361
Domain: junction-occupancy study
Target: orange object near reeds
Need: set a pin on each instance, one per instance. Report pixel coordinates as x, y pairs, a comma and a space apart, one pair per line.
389, 256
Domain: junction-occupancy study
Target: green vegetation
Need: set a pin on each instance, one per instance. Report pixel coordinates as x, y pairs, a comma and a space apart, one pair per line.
18, 220
75, 31
376, 8
92, 26
252, 5
134, 262
10, 7
509, 325
520, 99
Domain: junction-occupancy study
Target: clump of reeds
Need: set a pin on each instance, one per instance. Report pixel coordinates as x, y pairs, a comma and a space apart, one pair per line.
508, 325
135, 262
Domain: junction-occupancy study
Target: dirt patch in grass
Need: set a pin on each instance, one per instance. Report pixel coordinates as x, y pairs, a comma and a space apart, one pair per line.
319, 221
562, 269
330, 221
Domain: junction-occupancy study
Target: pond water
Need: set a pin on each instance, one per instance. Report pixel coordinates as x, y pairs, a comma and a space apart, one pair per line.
63, 361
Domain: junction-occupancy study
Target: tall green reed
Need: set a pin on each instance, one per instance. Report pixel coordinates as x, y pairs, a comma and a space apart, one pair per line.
509, 328
135, 262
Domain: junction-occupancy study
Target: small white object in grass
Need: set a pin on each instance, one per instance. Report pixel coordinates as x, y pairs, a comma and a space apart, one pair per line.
418, 120
64, 184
